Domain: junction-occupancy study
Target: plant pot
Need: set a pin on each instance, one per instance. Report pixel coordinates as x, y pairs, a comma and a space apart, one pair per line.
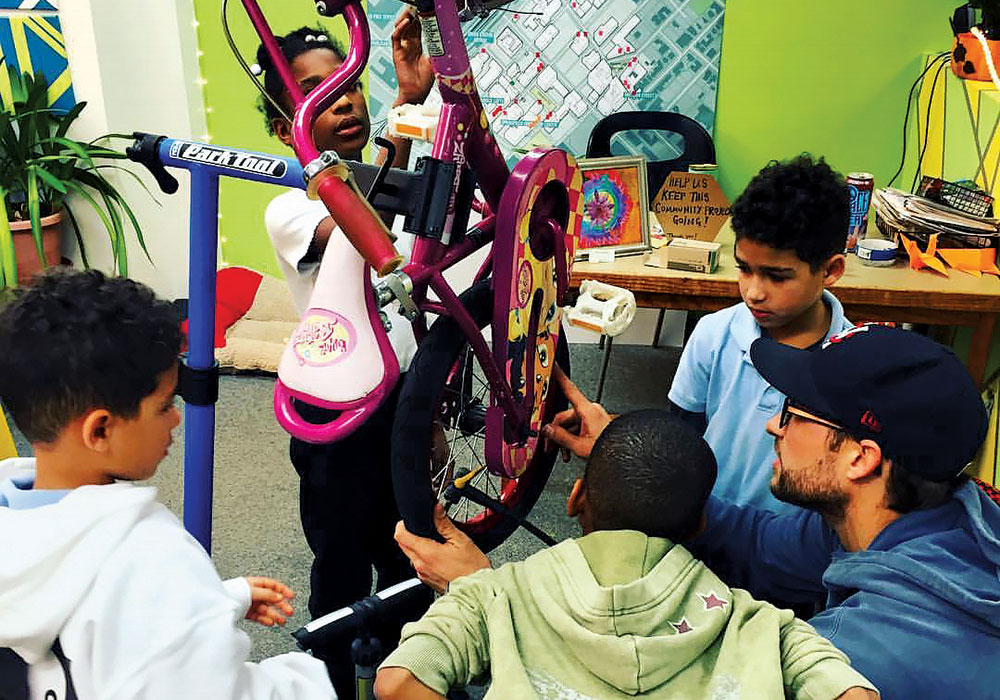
28, 264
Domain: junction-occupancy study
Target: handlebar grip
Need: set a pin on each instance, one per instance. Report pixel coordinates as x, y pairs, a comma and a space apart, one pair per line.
355, 216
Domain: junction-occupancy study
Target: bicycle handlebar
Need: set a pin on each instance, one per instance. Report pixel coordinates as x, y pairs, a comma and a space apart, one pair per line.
356, 217
335, 184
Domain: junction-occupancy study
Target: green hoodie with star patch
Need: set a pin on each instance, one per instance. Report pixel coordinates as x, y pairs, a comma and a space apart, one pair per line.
617, 614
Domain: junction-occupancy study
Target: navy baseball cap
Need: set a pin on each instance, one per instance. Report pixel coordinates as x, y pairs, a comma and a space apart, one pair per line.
909, 394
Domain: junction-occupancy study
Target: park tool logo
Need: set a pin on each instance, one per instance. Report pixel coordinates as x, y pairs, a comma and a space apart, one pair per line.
254, 163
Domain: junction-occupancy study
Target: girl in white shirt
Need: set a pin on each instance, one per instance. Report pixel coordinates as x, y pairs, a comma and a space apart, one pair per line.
345, 497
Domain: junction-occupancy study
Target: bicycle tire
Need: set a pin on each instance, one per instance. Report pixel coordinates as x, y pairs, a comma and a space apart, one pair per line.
419, 404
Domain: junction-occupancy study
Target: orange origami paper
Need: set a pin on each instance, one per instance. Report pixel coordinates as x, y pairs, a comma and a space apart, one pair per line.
920, 260
975, 261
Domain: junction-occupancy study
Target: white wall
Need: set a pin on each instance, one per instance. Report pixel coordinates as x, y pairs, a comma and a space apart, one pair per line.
135, 64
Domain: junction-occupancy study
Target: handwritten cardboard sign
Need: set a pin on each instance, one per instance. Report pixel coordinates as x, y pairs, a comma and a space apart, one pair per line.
691, 205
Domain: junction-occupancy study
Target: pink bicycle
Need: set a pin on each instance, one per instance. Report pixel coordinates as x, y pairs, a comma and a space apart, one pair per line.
469, 415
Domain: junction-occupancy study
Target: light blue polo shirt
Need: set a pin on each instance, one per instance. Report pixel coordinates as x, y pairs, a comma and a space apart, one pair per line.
716, 377
17, 486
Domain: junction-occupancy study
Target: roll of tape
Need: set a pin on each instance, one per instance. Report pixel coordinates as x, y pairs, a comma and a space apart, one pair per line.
876, 251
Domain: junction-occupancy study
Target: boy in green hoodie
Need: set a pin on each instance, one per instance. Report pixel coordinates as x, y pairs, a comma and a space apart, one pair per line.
622, 611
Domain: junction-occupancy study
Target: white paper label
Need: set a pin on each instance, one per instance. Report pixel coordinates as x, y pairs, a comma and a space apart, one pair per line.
601, 256
432, 35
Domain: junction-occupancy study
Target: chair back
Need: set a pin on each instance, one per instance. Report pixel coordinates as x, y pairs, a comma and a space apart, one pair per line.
698, 146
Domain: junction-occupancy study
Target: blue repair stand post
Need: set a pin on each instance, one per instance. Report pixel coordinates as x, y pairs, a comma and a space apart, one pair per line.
199, 370
199, 418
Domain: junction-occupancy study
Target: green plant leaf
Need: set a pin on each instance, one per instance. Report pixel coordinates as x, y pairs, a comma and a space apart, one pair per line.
51, 180
79, 236
131, 174
135, 222
34, 212
67, 119
8, 262
16, 86
121, 254
82, 191
123, 204
116, 230
81, 151
104, 152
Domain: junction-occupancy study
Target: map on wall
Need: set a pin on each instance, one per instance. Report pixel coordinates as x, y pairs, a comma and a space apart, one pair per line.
31, 40
548, 70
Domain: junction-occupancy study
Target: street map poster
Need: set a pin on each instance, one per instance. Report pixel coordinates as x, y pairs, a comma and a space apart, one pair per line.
548, 70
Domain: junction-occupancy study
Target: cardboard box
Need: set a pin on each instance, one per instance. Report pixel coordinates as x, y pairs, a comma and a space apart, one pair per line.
692, 255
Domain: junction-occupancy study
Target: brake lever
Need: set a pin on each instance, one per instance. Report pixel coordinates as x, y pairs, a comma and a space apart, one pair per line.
146, 151
383, 169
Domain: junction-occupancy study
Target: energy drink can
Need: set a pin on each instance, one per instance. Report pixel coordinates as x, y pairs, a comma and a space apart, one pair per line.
859, 186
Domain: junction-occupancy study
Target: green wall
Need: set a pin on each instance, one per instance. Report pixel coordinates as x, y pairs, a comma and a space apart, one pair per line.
830, 78
233, 119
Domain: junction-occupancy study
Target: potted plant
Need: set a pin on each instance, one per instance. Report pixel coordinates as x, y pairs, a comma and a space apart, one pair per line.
39, 168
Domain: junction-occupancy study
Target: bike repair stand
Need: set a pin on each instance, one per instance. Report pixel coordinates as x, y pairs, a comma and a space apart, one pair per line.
389, 608
366, 651
390, 190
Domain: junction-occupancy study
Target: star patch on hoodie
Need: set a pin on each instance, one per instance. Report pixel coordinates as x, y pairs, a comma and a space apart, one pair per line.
713, 601
682, 626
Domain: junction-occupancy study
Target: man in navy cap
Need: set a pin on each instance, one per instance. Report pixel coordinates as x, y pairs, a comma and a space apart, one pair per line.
872, 440
873, 437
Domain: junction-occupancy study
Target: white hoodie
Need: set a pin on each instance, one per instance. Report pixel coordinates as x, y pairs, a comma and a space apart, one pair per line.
134, 602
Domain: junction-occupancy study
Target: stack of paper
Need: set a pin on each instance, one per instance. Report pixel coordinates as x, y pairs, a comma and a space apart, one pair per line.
928, 230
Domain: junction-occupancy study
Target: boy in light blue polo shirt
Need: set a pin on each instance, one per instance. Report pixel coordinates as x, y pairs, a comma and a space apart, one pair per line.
790, 225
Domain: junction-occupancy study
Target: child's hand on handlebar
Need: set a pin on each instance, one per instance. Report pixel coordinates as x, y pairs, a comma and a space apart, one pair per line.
269, 601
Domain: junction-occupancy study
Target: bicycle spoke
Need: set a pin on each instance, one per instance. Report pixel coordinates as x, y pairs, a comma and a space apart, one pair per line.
464, 399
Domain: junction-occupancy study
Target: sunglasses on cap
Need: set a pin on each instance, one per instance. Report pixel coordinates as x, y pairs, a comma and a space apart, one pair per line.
789, 409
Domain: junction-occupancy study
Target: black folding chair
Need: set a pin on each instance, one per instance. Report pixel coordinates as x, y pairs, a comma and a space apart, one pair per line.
698, 148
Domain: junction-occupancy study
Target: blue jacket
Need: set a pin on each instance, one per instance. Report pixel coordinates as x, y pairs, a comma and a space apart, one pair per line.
918, 612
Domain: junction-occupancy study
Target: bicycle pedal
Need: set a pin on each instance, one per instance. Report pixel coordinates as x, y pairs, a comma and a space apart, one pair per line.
472, 419
414, 122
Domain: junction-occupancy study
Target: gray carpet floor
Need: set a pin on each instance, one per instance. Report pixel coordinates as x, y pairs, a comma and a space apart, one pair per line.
255, 510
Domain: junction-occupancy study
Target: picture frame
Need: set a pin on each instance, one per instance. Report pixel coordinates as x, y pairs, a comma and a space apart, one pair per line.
615, 207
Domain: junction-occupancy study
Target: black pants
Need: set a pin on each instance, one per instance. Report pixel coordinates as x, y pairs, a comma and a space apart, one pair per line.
348, 516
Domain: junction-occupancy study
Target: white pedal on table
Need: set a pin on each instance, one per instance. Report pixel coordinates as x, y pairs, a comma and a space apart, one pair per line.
604, 308
415, 122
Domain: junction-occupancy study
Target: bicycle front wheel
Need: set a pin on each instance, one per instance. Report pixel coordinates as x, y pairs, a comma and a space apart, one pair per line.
439, 433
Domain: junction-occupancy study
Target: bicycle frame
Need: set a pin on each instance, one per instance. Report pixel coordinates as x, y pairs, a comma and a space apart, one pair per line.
463, 139
207, 163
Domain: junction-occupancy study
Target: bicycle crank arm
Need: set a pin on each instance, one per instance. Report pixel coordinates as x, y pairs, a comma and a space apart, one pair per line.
453, 493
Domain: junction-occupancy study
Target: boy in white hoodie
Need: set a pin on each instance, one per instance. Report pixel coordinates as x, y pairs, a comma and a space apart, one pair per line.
624, 611
102, 592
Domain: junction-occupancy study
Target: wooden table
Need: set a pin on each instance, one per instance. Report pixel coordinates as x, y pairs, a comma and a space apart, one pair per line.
868, 293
